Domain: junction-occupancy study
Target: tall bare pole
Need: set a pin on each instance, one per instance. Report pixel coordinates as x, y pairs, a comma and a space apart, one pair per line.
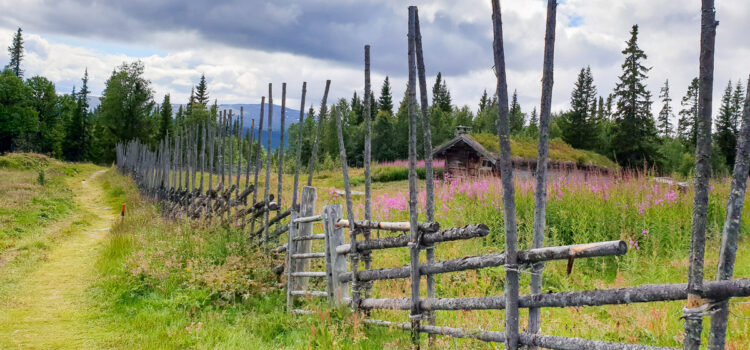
267, 192
249, 153
258, 159
222, 131
300, 128
239, 147
540, 194
203, 153
694, 322
429, 176
230, 133
368, 137
416, 313
280, 151
321, 115
730, 233
506, 171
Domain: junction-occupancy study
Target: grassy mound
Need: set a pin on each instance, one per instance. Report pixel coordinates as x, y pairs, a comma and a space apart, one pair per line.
559, 151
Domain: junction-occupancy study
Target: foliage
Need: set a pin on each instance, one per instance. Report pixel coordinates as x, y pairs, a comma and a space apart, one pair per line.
15, 51
19, 122
126, 106
634, 139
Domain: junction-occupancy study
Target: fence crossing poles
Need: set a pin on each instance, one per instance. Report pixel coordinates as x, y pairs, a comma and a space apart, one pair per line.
540, 194
267, 193
694, 320
353, 254
429, 176
258, 160
414, 244
314, 156
300, 128
506, 172
731, 230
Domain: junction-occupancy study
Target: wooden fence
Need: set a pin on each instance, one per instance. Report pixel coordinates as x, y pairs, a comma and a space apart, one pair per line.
160, 174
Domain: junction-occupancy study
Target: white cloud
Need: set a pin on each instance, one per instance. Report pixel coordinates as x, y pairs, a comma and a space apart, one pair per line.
669, 35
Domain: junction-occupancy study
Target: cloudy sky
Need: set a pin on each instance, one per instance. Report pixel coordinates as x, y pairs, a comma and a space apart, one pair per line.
242, 45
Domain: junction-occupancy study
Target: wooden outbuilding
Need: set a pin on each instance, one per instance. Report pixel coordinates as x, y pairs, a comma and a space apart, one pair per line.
465, 156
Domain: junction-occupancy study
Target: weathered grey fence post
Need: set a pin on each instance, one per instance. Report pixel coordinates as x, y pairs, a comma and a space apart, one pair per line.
540, 194
338, 291
414, 243
694, 320
731, 230
290, 263
307, 208
506, 171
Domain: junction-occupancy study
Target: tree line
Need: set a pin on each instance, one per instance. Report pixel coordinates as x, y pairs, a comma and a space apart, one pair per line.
621, 125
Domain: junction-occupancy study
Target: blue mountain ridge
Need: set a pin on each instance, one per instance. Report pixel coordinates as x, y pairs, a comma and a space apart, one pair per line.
251, 112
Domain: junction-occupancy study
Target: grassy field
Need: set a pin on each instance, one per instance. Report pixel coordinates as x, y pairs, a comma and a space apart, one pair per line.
179, 284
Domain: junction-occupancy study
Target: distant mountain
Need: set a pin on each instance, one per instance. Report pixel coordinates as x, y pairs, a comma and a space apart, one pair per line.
250, 112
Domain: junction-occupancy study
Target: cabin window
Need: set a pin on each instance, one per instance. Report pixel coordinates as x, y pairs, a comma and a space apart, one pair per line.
486, 163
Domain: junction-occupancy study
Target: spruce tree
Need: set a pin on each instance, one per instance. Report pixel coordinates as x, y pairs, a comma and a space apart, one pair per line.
75, 144
483, 102
165, 120
608, 110
600, 111
738, 100
15, 51
533, 128
634, 134
201, 91
665, 114
441, 96
516, 115
358, 109
385, 102
578, 128
726, 133
688, 115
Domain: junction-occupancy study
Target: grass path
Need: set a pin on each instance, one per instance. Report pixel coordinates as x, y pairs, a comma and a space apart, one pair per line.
49, 308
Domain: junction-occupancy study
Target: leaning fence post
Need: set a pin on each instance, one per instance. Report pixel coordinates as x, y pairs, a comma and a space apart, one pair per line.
307, 208
414, 243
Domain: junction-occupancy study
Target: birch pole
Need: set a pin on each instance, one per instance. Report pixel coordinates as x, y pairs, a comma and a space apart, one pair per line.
258, 160
266, 195
178, 153
540, 193
506, 172
300, 127
415, 314
314, 156
429, 176
694, 321
280, 151
731, 230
